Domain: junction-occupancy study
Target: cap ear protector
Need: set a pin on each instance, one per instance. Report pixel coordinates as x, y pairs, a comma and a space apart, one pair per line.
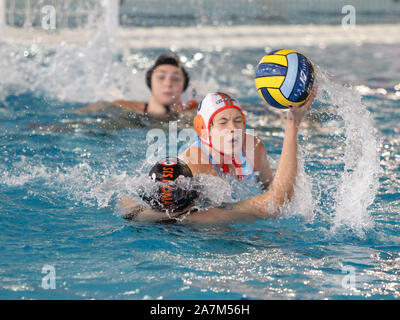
200, 127
169, 196
168, 59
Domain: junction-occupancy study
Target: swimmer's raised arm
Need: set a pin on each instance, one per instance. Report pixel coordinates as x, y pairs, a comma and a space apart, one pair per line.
281, 189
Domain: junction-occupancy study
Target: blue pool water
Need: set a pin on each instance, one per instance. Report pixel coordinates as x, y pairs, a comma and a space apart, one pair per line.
61, 175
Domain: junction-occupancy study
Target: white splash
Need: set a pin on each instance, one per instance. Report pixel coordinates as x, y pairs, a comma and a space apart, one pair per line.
358, 183
70, 72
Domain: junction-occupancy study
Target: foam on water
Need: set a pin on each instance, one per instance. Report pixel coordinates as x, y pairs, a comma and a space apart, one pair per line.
94, 70
90, 186
70, 72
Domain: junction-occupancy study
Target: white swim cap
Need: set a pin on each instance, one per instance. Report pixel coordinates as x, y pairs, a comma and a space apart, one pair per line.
212, 104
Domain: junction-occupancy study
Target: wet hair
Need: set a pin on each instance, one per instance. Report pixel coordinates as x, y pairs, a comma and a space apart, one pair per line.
171, 59
169, 196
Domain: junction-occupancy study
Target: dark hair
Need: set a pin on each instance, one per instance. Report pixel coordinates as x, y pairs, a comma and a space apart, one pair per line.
168, 58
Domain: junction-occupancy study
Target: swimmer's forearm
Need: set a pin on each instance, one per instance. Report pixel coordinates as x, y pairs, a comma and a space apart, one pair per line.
134, 211
283, 183
282, 187
219, 215
151, 216
129, 207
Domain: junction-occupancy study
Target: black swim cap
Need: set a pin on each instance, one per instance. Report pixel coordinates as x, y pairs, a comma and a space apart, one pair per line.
171, 59
170, 196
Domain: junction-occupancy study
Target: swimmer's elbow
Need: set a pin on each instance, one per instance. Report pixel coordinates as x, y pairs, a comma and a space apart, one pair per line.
282, 190
268, 205
269, 211
274, 205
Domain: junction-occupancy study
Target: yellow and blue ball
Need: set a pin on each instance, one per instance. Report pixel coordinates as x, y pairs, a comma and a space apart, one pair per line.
284, 77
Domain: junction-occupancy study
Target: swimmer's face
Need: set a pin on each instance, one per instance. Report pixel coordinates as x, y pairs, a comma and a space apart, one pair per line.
167, 83
227, 129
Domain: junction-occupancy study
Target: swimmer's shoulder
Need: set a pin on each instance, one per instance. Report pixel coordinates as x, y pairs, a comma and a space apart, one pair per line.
94, 107
251, 143
135, 106
256, 153
255, 141
198, 161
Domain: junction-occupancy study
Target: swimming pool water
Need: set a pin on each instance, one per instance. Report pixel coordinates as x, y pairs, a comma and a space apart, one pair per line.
61, 175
